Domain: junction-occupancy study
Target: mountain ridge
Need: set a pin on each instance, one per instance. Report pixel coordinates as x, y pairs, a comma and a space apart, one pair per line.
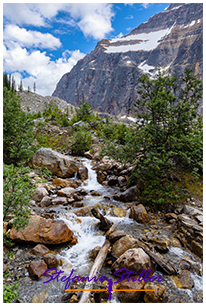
108, 76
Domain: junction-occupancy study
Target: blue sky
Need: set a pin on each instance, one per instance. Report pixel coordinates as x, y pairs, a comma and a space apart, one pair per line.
42, 41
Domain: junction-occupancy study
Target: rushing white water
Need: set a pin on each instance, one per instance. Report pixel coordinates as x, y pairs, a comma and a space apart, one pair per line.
77, 257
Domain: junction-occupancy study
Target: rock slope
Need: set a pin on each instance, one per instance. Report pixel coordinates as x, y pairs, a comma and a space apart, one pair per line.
108, 76
36, 102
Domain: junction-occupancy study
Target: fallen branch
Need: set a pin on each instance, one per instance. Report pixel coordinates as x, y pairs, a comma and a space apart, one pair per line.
104, 224
95, 268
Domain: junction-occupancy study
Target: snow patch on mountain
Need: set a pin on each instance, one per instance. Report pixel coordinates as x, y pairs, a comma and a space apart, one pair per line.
146, 41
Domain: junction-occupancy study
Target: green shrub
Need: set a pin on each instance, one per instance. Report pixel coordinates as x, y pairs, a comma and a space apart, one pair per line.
84, 111
10, 292
18, 189
109, 131
82, 142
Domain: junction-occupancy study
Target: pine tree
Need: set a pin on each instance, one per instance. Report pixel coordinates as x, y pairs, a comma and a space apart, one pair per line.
34, 87
13, 86
9, 83
21, 86
5, 80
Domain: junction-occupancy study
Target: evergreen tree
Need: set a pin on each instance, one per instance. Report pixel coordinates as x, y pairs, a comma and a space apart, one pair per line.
168, 138
21, 86
5, 80
17, 128
13, 86
9, 82
169, 132
34, 87
84, 111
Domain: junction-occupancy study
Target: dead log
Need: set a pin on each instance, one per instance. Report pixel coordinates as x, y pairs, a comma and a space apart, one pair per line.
104, 224
166, 266
95, 268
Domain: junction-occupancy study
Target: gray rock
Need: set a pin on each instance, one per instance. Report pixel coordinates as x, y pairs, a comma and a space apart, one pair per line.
130, 194
191, 211
186, 221
82, 173
40, 193
46, 201
59, 164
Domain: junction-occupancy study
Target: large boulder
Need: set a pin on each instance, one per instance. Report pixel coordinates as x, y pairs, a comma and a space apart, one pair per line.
139, 214
134, 259
41, 230
59, 164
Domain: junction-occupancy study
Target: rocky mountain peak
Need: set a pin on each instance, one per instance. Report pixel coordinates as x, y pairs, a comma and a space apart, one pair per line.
108, 76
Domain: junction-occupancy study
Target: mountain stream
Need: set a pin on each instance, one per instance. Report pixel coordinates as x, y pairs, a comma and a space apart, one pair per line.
77, 257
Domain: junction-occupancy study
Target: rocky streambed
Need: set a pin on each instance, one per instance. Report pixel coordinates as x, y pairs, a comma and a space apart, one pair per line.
174, 237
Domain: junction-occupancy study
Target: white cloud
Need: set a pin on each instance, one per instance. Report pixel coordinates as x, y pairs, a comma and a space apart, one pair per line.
21, 54
30, 38
40, 68
146, 5
31, 13
93, 19
129, 17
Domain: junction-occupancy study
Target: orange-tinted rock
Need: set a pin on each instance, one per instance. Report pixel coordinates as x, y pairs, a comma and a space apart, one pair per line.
184, 280
139, 214
36, 269
94, 252
122, 245
41, 230
153, 296
63, 183
130, 296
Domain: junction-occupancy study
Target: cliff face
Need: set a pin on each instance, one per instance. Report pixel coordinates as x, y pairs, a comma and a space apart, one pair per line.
108, 76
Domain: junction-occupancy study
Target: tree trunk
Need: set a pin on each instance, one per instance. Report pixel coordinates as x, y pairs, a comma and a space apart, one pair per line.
95, 268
